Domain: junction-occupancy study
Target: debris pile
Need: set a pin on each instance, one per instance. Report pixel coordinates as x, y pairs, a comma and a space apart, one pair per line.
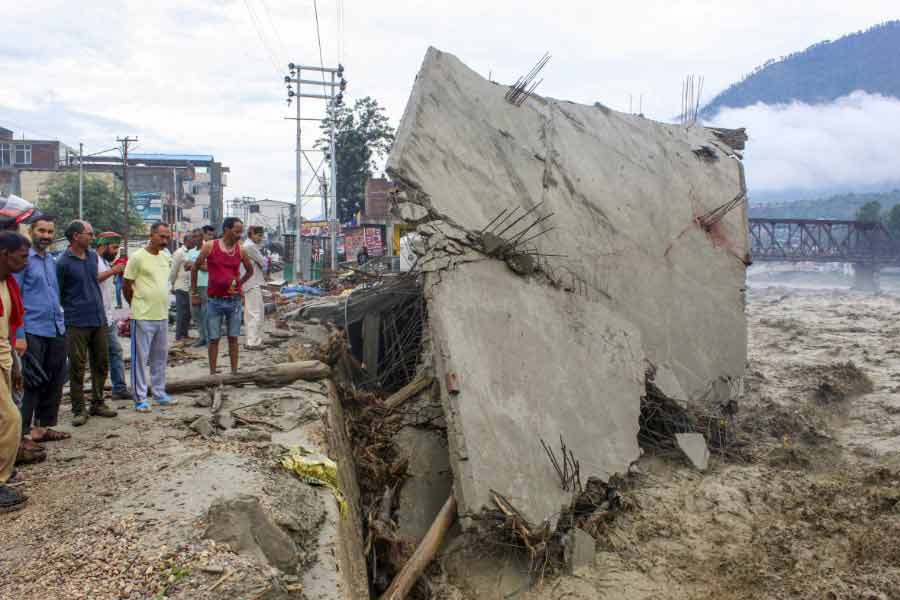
578, 276
564, 249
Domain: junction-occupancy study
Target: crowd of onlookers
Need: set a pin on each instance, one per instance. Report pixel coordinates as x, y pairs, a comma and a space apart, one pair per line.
59, 318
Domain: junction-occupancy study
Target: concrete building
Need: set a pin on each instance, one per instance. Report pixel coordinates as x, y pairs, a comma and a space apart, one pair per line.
275, 215
170, 187
39, 158
198, 190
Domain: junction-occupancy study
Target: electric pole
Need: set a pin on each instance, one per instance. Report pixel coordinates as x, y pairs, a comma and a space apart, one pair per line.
332, 91
80, 181
125, 141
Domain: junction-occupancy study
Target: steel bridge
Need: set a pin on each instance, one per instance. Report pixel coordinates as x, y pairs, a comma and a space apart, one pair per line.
822, 240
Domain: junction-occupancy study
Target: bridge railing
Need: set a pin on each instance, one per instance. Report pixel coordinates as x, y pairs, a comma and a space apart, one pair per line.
821, 240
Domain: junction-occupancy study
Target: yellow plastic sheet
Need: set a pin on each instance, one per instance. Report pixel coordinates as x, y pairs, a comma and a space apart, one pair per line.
322, 472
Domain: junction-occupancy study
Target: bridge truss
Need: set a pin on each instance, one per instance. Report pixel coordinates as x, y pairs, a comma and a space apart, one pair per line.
821, 240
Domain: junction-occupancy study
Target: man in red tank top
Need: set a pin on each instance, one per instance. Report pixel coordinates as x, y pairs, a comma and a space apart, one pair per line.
223, 259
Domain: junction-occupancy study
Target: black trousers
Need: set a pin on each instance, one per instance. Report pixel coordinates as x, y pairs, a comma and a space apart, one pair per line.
182, 314
87, 346
40, 406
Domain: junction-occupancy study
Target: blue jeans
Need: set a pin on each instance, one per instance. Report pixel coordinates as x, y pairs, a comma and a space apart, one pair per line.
116, 362
227, 309
198, 315
120, 283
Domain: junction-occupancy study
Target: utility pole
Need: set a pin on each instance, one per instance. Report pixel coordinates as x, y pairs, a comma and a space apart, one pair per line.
125, 141
80, 181
333, 93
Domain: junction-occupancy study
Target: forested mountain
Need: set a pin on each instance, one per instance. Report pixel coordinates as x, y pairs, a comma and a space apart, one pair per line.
841, 206
867, 60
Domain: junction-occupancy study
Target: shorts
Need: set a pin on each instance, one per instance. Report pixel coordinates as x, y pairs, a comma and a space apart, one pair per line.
230, 310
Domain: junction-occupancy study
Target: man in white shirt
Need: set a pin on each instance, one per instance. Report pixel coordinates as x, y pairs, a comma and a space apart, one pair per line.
254, 310
107, 250
180, 280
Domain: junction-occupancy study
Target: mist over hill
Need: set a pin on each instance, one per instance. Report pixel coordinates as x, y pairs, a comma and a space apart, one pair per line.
866, 60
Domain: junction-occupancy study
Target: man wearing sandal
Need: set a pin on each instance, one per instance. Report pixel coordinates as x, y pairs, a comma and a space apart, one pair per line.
13, 258
45, 336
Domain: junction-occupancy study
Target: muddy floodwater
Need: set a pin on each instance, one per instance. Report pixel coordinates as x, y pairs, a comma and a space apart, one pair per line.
809, 506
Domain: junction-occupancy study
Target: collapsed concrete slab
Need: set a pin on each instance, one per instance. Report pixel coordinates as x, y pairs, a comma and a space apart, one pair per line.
643, 267
531, 363
625, 192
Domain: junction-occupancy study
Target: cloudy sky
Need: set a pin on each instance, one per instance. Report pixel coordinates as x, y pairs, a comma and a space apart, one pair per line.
206, 77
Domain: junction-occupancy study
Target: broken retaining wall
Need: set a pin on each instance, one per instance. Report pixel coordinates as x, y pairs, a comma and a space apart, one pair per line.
561, 352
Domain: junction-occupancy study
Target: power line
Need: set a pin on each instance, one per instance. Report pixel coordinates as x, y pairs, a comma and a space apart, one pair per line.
274, 28
262, 40
340, 28
319, 37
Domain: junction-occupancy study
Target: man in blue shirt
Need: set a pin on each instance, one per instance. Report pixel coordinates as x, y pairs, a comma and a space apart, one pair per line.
85, 317
44, 333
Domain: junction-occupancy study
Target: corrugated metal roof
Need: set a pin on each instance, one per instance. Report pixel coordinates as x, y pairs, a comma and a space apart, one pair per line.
163, 157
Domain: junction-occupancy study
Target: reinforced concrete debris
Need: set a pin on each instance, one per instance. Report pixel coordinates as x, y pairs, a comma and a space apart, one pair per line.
565, 253
578, 276
694, 447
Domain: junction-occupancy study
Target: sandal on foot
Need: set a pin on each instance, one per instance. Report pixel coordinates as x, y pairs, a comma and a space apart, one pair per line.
11, 500
32, 445
27, 457
51, 435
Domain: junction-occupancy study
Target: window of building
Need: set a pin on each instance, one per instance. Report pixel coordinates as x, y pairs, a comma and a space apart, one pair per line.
205, 212
23, 154
4, 155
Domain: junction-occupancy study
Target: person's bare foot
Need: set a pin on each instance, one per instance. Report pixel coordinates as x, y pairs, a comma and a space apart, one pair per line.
46, 434
31, 445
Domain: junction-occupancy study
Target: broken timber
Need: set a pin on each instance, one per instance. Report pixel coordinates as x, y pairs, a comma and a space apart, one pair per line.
424, 553
309, 370
408, 391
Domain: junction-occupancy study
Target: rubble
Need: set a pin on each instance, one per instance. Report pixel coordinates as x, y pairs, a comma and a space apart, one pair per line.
581, 549
694, 447
243, 524
564, 248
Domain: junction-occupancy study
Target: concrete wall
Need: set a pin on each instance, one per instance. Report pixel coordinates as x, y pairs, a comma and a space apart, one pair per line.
532, 363
631, 278
624, 191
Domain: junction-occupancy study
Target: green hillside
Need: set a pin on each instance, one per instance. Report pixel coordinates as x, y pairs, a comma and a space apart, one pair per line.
841, 206
867, 60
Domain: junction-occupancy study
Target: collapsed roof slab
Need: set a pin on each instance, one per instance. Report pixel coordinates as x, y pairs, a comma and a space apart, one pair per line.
531, 363
626, 193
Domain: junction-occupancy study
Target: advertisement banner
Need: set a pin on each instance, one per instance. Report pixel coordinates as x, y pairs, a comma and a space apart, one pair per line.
148, 205
357, 237
317, 229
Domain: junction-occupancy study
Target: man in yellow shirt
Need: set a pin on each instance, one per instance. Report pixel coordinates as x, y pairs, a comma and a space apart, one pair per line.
147, 291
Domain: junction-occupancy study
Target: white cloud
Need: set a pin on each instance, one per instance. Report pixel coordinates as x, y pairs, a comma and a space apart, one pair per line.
853, 141
195, 76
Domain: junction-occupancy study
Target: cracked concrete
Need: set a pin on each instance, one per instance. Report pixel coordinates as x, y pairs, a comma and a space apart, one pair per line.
634, 278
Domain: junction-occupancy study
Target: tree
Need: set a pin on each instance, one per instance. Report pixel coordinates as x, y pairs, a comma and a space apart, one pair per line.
893, 221
869, 212
102, 203
363, 136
